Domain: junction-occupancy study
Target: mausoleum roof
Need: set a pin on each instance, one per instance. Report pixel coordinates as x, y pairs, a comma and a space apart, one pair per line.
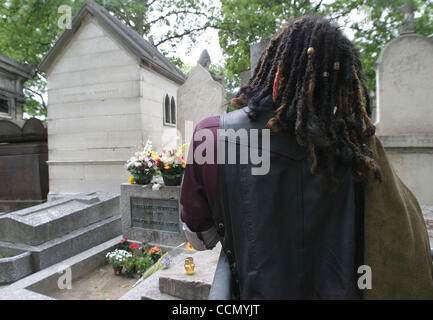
17, 69
143, 49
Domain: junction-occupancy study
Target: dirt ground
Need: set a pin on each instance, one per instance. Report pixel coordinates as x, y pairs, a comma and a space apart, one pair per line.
100, 284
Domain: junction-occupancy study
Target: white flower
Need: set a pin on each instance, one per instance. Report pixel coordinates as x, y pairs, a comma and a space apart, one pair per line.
156, 187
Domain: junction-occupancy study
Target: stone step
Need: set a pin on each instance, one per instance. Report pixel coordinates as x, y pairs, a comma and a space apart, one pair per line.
175, 282
73, 243
43, 223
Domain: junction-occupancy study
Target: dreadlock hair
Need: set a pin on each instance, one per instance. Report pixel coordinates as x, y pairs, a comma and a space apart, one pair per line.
315, 75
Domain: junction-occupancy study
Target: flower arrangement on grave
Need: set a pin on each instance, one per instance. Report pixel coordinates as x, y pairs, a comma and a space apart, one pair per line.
155, 253
134, 258
163, 262
143, 263
142, 166
172, 165
117, 259
124, 244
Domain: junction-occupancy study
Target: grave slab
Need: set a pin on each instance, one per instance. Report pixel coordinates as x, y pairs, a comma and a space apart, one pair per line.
175, 282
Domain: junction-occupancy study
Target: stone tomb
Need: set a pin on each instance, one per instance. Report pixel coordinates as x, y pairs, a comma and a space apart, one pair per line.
404, 101
151, 215
43, 235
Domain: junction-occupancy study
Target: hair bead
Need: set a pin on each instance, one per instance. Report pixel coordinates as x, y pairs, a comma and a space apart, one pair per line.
337, 65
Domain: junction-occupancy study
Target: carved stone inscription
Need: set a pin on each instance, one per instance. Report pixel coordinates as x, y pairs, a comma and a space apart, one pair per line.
155, 214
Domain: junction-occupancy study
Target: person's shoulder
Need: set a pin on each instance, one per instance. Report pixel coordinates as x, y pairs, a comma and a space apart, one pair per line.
208, 123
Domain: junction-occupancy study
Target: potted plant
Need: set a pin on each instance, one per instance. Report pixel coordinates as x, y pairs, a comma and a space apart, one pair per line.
117, 260
130, 266
172, 165
143, 263
142, 166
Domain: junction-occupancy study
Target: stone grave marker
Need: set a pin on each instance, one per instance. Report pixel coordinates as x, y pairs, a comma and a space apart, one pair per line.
151, 215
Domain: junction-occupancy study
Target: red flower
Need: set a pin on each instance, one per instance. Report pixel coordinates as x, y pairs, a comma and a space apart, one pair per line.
123, 240
133, 246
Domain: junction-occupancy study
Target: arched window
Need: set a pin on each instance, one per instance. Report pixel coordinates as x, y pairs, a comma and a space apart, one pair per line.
167, 109
173, 111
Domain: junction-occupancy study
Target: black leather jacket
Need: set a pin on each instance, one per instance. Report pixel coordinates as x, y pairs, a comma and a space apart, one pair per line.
286, 234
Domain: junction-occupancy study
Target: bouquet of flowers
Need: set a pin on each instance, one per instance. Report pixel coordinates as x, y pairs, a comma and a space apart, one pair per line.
162, 263
143, 263
154, 253
172, 165
143, 165
117, 259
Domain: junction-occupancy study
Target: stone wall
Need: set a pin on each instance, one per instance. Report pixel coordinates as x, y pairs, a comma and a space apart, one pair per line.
154, 89
201, 96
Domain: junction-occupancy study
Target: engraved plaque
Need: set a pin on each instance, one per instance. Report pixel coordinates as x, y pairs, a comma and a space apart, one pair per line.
155, 214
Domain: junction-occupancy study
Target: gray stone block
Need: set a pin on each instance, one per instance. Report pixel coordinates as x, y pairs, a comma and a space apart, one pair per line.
39, 224
155, 235
15, 267
85, 238
177, 283
55, 231
38, 285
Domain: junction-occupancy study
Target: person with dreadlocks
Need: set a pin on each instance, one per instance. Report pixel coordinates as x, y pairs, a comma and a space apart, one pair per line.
331, 220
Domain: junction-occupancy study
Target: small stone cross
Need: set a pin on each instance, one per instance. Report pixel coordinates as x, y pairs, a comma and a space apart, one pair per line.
409, 18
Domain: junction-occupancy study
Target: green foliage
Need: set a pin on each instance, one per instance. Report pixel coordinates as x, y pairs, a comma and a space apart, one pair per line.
2, 256
143, 263
381, 24
29, 28
244, 22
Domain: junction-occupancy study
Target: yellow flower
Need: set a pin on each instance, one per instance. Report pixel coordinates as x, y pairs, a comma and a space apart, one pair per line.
131, 180
183, 164
182, 149
189, 247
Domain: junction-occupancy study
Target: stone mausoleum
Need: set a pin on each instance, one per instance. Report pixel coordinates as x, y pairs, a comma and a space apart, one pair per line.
23, 143
109, 90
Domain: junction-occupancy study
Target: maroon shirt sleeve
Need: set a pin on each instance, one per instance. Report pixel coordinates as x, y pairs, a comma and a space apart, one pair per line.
199, 184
